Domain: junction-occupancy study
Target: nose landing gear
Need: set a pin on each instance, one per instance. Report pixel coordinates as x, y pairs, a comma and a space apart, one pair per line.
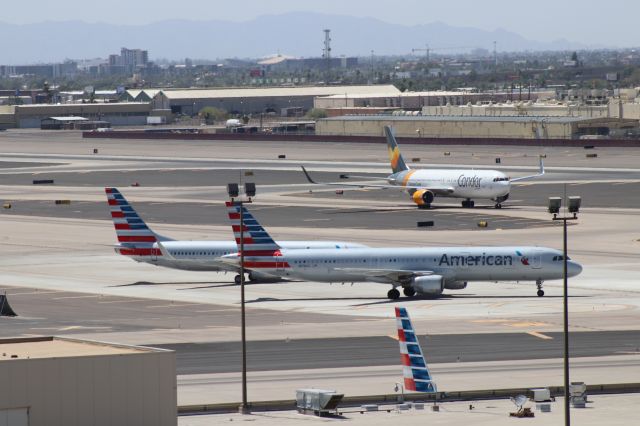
468, 203
539, 285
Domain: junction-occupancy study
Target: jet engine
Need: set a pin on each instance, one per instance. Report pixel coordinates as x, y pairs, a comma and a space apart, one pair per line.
429, 285
455, 285
422, 197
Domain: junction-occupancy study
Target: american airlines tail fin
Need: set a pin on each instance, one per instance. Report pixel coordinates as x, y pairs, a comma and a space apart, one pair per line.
397, 162
257, 241
134, 236
416, 373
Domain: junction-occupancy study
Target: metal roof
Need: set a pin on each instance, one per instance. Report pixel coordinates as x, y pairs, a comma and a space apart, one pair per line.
449, 118
277, 92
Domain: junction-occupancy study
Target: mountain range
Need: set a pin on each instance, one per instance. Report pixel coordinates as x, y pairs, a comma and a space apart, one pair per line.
297, 34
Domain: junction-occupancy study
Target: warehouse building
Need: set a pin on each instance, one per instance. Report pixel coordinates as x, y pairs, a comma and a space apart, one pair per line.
254, 100
520, 127
53, 381
418, 100
118, 114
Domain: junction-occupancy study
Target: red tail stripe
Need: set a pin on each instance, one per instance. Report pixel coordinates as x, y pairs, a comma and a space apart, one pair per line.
108, 190
117, 214
272, 253
112, 202
234, 216
406, 361
137, 238
409, 384
122, 226
401, 335
247, 240
236, 228
140, 252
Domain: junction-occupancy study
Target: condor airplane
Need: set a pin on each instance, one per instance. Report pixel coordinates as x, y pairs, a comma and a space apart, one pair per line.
137, 241
426, 184
425, 271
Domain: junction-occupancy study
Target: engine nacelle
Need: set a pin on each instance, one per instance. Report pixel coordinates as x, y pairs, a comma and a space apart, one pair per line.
455, 285
429, 285
422, 197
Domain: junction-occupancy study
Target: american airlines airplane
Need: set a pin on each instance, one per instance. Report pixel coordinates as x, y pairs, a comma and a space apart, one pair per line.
426, 184
417, 376
425, 271
137, 241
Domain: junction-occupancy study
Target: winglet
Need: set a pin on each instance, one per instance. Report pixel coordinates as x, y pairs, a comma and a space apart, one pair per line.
417, 376
308, 176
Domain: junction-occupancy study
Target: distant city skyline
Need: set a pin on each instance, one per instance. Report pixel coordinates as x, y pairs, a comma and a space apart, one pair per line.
591, 23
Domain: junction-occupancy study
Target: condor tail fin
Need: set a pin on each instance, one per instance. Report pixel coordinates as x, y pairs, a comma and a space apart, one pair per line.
397, 162
417, 376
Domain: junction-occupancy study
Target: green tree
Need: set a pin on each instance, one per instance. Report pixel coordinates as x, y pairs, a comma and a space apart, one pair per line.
316, 113
213, 114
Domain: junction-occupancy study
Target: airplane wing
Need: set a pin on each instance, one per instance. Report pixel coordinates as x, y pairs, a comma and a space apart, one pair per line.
435, 189
540, 173
387, 275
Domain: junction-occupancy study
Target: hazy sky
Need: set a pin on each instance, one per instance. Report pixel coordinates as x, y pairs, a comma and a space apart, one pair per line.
592, 22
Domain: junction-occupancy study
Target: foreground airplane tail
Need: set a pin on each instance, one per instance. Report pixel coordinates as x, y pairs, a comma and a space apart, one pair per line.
260, 250
397, 162
134, 236
416, 373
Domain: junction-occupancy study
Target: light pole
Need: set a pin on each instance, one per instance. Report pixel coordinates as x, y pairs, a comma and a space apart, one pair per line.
574, 207
234, 192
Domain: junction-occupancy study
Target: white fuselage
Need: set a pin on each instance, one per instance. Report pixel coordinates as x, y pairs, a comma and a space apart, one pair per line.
464, 183
452, 263
204, 255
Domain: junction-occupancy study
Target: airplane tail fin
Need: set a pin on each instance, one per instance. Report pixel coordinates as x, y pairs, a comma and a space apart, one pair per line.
257, 241
397, 162
417, 376
135, 238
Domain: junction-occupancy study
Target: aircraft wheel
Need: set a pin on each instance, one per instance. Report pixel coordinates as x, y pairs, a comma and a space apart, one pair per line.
393, 294
540, 293
237, 279
424, 206
498, 206
472, 204
251, 277
409, 291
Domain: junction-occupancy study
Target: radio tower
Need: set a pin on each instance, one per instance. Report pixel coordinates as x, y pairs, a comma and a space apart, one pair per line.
326, 52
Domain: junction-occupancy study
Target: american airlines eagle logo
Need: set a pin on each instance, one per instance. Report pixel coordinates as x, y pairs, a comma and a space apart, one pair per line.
523, 259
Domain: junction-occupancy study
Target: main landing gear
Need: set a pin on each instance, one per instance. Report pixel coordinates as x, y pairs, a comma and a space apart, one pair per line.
393, 294
468, 203
539, 285
498, 206
236, 279
409, 291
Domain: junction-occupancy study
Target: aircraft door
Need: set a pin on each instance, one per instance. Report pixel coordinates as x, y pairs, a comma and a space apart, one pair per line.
279, 261
154, 253
536, 260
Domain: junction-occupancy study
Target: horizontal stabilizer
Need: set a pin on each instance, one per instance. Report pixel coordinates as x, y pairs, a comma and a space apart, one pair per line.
5, 308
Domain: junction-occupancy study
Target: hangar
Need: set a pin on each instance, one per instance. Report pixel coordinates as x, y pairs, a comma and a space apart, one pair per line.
253, 100
520, 127
54, 381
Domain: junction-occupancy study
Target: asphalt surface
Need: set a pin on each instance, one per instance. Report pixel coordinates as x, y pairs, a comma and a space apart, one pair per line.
224, 357
402, 217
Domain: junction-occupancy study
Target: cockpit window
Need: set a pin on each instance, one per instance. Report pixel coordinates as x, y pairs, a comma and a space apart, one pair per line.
501, 179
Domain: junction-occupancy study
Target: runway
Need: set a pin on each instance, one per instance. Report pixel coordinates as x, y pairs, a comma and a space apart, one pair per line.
62, 276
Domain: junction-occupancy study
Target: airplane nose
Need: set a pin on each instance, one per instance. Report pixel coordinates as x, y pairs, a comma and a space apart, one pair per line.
573, 268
